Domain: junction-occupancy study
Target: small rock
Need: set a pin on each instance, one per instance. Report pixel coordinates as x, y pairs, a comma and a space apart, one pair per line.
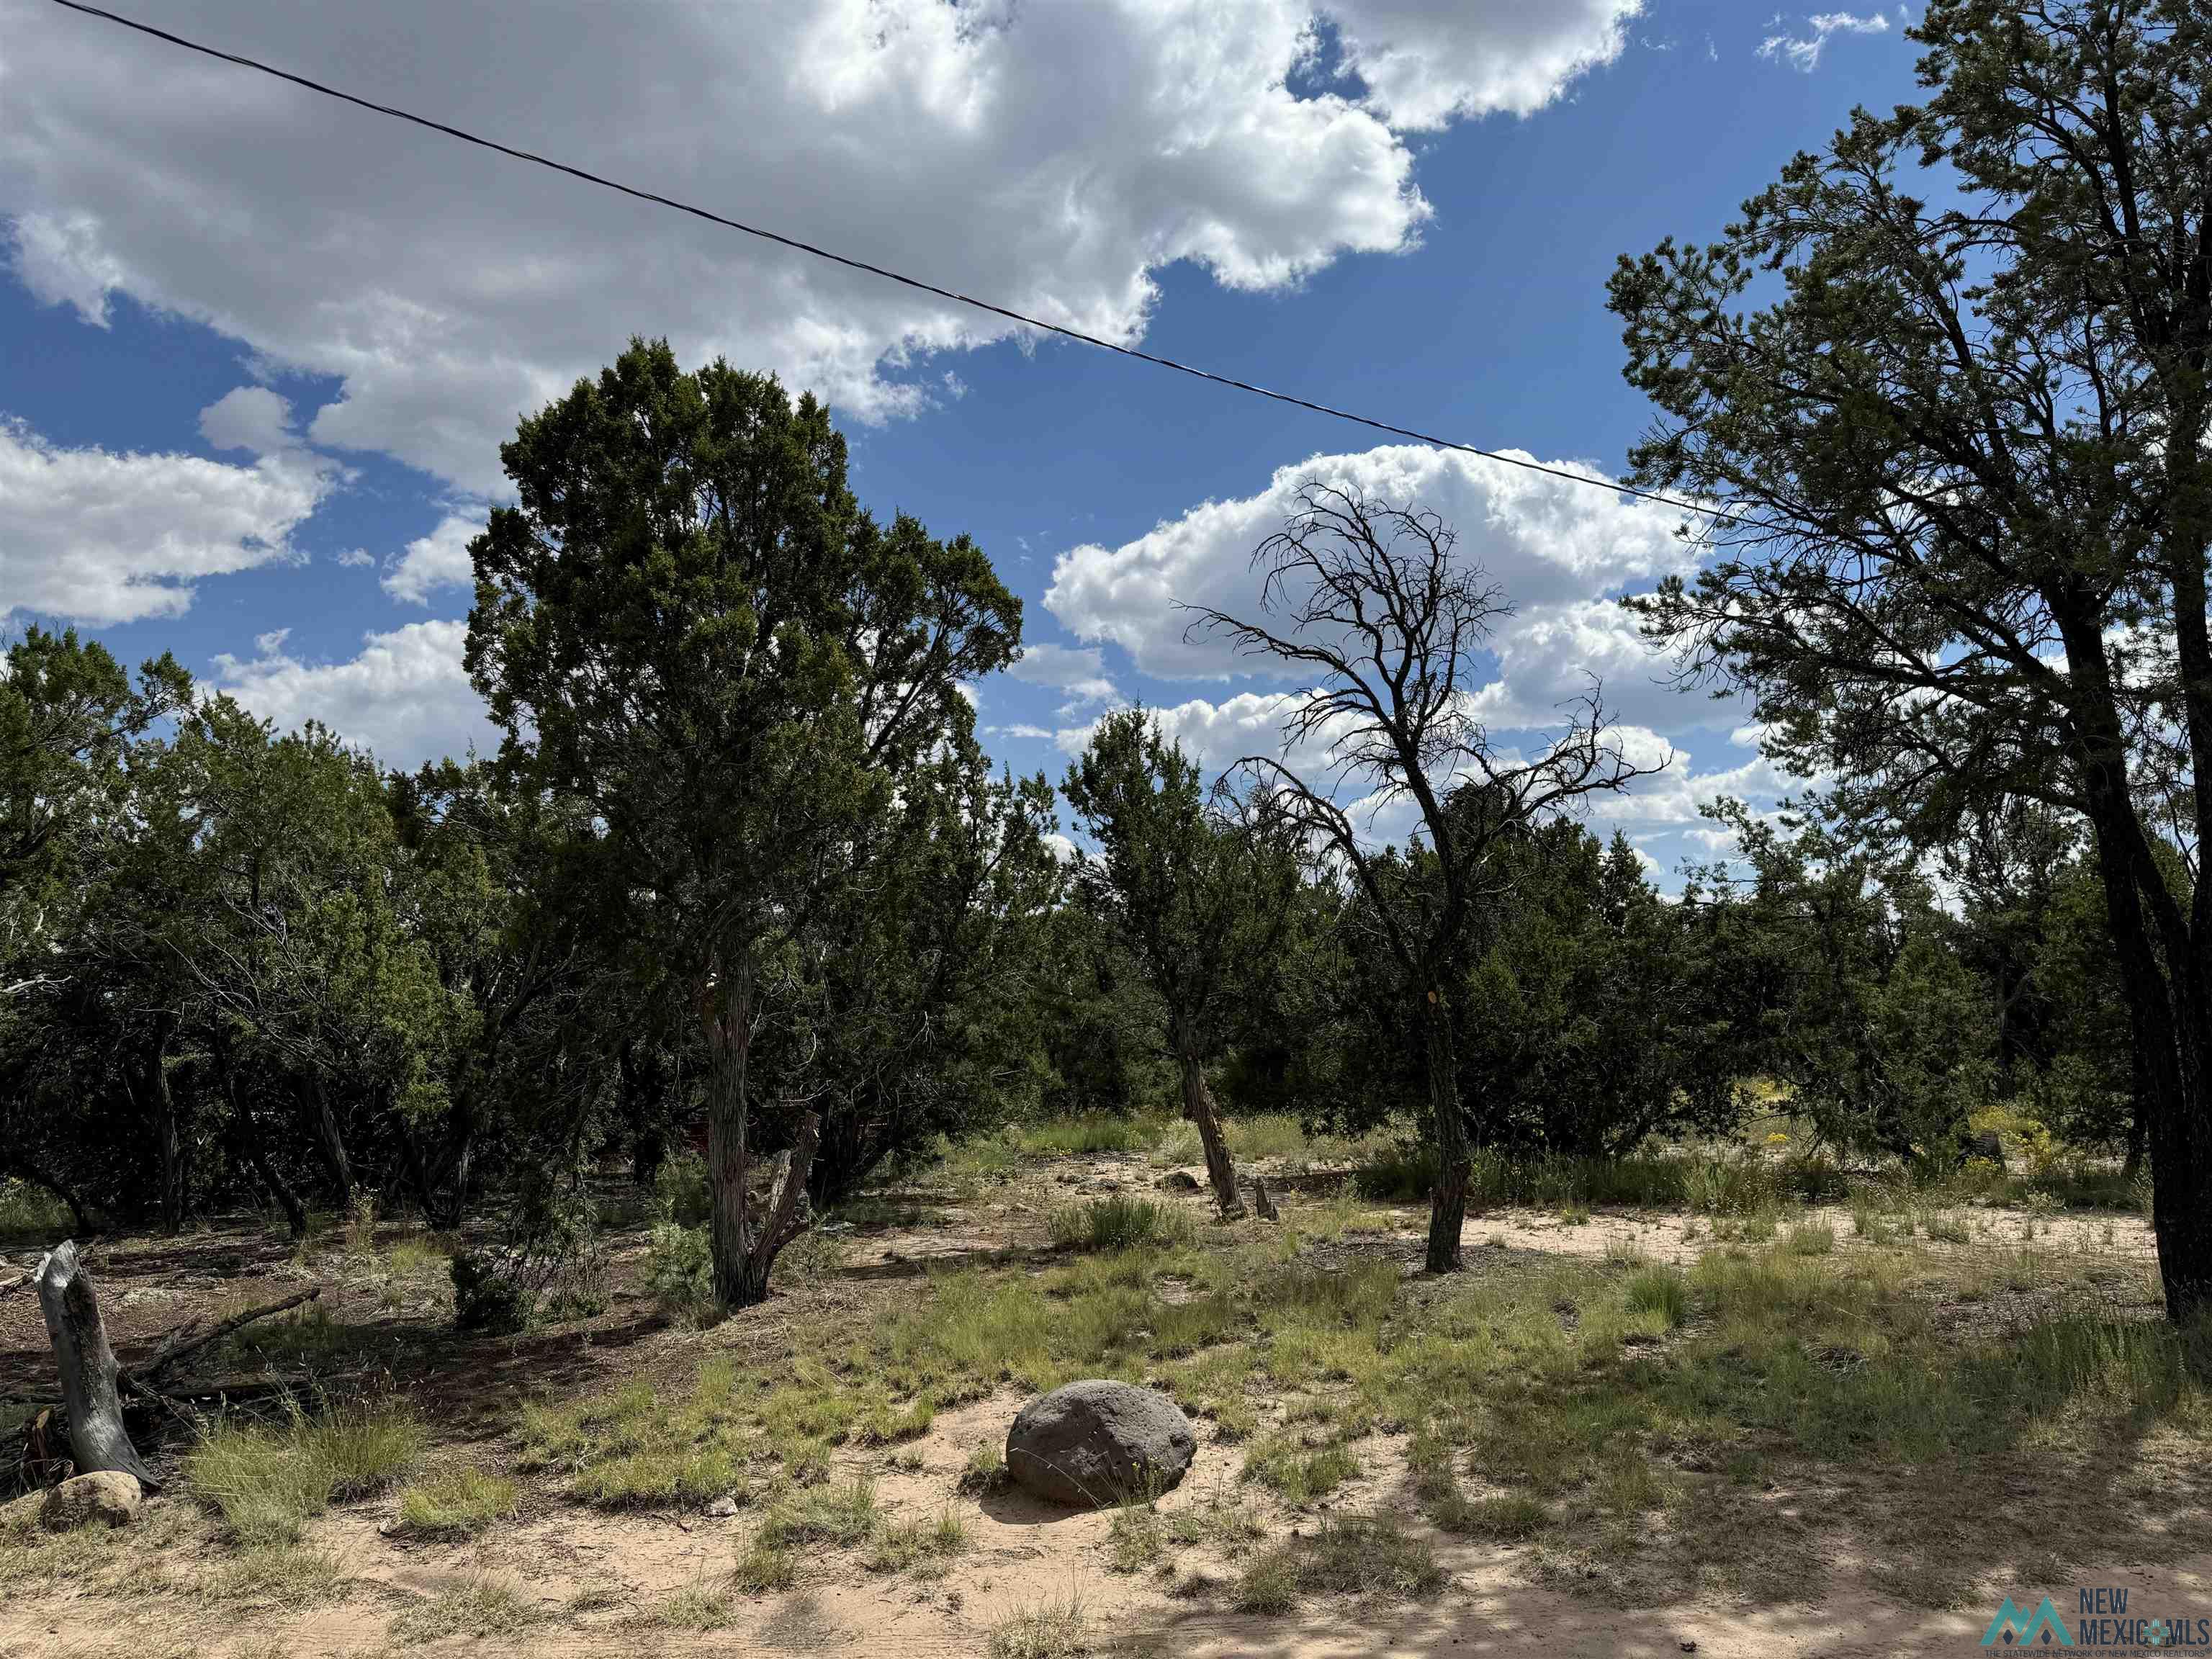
1098, 1442
106, 1496
1688, 1645
1179, 1180
722, 1507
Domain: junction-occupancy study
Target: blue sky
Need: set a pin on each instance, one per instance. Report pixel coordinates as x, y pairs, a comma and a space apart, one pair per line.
258, 349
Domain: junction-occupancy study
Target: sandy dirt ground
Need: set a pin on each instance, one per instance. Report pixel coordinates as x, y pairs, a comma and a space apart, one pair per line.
598, 1577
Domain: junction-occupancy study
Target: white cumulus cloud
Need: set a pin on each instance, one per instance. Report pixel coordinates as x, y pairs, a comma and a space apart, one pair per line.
1561, 551
249, 417
1077, 671
1053, 156
405, 697
98, 536
438, 560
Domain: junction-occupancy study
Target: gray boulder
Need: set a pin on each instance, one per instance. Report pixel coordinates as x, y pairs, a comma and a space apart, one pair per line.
1096, 1443
109, 1497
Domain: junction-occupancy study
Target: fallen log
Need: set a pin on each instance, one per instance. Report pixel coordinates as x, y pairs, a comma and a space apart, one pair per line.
97, 1439
187, 1340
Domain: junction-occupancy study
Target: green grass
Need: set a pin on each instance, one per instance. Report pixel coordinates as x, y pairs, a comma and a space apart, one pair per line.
1810, 1238
282, 1576
1299, 1474
696, 1606
419, 1255
919, 1545
1729, 1182
1119, 1224
1368, 1556
1506, 1519
1136, 1538
1660, 1290
32, 1215
1053, 1629
985, 1470
844, 1514
456, 1505
631, 1446
766, 1567
268, 1480
1580, 1391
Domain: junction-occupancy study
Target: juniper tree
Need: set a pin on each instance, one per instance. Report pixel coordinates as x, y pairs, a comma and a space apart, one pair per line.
1948, 380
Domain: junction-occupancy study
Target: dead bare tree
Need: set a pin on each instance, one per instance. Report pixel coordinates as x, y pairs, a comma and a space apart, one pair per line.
98, 1438
1366, 596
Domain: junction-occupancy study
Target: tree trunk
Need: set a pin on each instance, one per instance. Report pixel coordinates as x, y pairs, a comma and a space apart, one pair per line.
246, 1133
158, 1102
728, 1008
1198, 1107
1448, 1197
329, 1140
246, 1137
2169, 1024
641, 1110
454, 1204
2138, 1112
97, 1439
743, 1248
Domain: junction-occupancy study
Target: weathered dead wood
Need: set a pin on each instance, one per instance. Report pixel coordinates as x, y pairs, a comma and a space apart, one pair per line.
97, 1439
190, 1338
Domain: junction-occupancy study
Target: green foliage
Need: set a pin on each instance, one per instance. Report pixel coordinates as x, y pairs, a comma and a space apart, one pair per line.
268, 1482
1197, 895
1661, 1291
487, 1297
1119, 1224
1368, 1556
29, 1216
802, 749
679, 1273
456, 1505
679, 1190
1949, 300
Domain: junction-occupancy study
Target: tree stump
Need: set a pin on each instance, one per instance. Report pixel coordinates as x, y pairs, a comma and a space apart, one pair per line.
97, 1439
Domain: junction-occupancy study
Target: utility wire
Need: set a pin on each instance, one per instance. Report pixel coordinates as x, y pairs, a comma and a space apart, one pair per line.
851, 264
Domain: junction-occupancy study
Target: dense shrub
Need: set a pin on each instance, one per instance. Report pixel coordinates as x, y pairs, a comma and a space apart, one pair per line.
489, 1296
679, 1272
680, 1192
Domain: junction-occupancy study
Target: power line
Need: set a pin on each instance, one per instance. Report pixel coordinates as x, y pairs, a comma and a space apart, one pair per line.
851, 264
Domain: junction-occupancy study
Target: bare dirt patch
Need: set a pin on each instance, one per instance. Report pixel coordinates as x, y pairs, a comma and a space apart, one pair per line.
1745, 1546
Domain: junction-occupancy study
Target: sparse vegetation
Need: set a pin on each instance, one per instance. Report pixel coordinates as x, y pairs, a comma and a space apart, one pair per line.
618, 1193
1118, 1223
1368, 1556
268, 1480
479, 1605
458, 1504
1054, 1630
